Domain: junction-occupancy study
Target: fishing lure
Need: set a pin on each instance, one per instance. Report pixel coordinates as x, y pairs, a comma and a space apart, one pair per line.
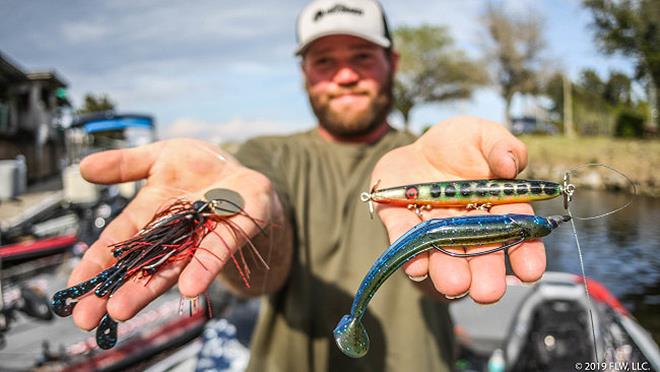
509, 229
472, 194
173, 234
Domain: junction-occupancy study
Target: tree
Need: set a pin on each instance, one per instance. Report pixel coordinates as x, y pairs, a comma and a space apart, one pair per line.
599, 105
592, 83
431, 69
98, 103
618, 89
515, 51
632, 28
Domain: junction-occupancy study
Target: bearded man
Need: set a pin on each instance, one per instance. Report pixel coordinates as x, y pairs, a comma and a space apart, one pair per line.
307, 186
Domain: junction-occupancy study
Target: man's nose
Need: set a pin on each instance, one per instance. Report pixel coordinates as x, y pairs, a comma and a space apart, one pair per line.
346, 75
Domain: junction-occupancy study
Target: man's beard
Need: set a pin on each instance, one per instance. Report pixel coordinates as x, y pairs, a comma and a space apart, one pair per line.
342, 125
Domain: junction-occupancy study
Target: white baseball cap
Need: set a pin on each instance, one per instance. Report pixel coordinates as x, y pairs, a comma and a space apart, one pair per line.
362, 18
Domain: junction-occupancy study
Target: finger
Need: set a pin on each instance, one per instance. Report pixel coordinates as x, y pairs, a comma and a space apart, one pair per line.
397, 222
473, 140
134, 295
128, 300
213, 254
450, 275
218, 247
517, 208
512, 280
482, 276
96, 258
88, 311
417, 268
507, 157
99, 256
123, 165
488, 275
528, 260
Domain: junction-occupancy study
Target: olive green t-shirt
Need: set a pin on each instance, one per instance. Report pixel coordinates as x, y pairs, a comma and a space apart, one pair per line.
336, 242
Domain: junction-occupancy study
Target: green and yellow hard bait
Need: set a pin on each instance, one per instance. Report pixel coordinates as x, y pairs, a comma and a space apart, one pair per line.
464, 193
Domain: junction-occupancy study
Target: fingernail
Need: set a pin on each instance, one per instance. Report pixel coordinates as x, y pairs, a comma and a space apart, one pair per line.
515, 162
530, 284
458, 296
418, 278
513, 280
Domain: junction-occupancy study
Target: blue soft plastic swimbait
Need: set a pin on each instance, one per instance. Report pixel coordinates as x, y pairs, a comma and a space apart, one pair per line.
510, 230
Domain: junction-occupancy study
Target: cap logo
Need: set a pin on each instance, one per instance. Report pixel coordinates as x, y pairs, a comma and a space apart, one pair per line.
339, 8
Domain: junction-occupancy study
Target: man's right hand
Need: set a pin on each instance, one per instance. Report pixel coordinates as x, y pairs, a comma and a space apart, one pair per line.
173, 169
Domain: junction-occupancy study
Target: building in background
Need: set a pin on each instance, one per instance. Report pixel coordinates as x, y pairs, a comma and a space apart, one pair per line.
33, 107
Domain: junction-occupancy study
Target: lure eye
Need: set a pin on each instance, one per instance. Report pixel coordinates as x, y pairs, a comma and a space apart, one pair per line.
411, 193
200, 205
555, 221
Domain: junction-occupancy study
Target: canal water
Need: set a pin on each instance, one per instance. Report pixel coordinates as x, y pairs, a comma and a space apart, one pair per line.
622, 250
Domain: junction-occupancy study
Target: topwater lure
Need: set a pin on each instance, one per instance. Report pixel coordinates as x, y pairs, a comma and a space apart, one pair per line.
509, 229
484, 193
472, 194
172, 235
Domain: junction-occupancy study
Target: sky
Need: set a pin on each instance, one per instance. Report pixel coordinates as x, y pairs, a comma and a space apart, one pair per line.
225, 71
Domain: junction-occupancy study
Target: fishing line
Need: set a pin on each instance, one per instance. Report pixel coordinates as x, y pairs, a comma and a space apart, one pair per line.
586, 286
569, 189
271, 243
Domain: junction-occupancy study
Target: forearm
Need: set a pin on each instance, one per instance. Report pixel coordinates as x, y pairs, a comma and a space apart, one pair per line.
275, 245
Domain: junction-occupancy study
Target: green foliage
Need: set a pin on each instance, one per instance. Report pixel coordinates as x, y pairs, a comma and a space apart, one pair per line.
516, 44
629, 123
553, 89
631, 28
591, 83
431, 70
597, 103
96, 103
618, 89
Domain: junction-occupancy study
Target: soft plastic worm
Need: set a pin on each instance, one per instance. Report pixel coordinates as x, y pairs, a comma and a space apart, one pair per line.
106, 333
64, 300
510, 230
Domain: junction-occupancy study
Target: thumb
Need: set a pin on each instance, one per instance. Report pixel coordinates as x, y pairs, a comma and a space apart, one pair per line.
507, 157
120, 165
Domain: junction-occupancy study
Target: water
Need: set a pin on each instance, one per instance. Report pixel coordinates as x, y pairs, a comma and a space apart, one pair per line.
622, 251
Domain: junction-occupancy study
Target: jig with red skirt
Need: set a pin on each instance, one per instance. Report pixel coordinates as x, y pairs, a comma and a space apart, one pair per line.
173, 234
